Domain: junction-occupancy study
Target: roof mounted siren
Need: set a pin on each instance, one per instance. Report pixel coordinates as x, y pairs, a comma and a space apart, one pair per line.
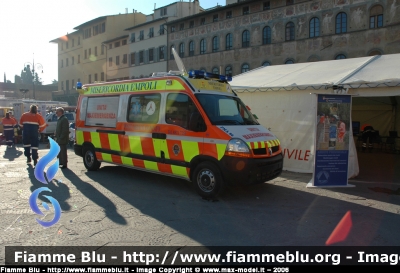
200, 74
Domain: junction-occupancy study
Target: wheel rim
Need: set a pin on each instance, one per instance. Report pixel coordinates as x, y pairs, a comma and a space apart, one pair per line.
206, 180
89, 158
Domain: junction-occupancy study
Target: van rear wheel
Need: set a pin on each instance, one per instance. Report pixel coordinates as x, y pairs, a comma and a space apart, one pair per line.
207, 180
89, 159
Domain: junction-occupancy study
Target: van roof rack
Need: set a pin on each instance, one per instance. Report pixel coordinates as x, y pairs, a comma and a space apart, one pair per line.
163, 74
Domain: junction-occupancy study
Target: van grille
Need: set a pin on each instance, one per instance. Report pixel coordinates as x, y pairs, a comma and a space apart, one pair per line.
263, 151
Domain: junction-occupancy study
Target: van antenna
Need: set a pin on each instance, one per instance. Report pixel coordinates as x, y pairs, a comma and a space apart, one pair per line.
179, 63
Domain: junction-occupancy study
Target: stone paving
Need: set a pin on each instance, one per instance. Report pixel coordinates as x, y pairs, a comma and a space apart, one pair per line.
121, 206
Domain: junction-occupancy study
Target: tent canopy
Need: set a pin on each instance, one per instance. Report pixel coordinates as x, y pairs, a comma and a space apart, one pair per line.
374, 71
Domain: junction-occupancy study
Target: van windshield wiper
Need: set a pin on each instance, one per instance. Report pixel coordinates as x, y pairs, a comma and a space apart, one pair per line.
229, 121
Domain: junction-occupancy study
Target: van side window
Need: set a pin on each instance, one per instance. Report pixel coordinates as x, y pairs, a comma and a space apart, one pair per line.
181, 111
144, 108
54, 117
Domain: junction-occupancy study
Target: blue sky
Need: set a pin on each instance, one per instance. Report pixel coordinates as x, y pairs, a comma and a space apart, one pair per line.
27, 27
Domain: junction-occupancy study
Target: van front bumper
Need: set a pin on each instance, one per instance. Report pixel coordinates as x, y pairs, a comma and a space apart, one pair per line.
247, 171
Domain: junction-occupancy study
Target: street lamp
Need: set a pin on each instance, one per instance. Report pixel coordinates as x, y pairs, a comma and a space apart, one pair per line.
38, 66
105, 76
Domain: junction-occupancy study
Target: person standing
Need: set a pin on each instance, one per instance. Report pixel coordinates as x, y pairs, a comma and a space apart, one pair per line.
62, 136
8, 127
368, 134
32, 124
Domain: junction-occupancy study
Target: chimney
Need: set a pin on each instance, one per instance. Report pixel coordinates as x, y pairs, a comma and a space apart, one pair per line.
126, 10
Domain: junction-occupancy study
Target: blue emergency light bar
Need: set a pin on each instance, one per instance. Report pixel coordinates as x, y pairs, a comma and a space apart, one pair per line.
200, 74
78, 85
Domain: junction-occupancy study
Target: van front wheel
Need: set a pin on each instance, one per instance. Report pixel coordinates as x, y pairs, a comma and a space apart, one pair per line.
207, 180
89, 159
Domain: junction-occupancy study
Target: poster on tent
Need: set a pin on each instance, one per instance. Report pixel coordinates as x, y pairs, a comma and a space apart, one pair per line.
332, 141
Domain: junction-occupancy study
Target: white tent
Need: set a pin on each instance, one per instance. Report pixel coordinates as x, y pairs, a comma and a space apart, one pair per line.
283, 97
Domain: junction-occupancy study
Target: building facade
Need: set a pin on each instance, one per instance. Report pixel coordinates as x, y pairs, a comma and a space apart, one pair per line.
148, 41
241, 36
82, 55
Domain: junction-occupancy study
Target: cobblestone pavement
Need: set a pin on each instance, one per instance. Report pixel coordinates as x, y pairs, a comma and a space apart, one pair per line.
121, 206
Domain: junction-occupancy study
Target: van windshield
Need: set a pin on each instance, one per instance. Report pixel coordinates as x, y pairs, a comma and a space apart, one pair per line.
225, 110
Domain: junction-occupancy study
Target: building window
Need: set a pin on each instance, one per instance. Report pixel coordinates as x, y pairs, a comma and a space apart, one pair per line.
85, 53
117, 44
95, 30
171, 54
172, 28
228, 71
161, 31
102, 76
103, 27
95, 51
202, 46
72, 83
246, 38
182, 50
117, 60
191, 48
90, 52
246, 10
215, 18
141, 56
90, 78
151, 32
181, 26
73, 42
72, 60
163, 11
215, 70
95, 77
229, 41
79, 59
341, 23
132, 37
245, 68
267, 5
102, 49
151, 55
340, 57
266, 64
133, 58
266, 35
228, 14
141, 35
125, 59
314, 27
289, 31
79, 40
289, 2
123, 42
66, 62
290, 61
376, 17
110, 46
62, 85
110, 61
215, 44
66, 45
161, 52
202, 21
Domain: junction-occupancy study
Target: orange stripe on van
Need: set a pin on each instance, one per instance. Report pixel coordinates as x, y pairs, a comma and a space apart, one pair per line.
87, 137
116, 159
147, 146
210, 150
175, 154
105, 144
99, 156
138, 163
165, 168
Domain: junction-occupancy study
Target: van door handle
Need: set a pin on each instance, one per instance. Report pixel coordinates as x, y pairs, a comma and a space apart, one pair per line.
159, 135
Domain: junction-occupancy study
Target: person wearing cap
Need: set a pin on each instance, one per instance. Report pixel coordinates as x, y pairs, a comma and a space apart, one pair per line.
62, 136
31, 123
8, 127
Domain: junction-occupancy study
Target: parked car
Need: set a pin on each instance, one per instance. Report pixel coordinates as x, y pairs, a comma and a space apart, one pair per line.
51, 120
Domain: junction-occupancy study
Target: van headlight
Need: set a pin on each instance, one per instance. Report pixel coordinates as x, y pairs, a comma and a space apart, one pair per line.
237, 147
